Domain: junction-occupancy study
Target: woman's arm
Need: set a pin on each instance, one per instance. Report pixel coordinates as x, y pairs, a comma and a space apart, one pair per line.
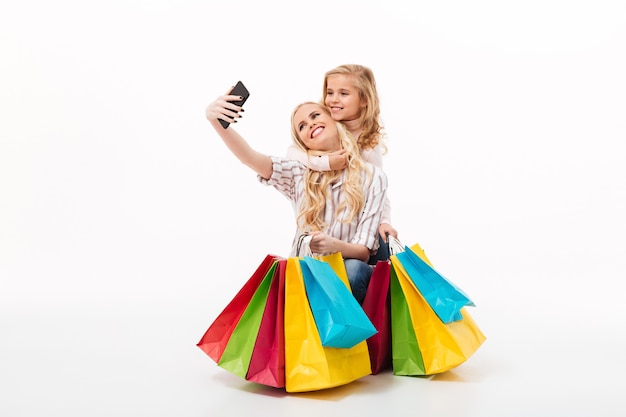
324, 244
375, 156
369, 220
222, 109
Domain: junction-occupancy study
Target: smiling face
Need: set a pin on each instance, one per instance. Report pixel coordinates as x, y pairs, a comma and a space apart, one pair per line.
315, 128
342, 98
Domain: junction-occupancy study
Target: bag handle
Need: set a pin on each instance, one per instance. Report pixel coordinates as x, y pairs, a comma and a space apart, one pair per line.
303, 248
394, 245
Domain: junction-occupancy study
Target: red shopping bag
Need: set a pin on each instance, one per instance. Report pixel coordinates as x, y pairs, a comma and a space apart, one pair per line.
238, 352
378, 308
215, 339
267, 365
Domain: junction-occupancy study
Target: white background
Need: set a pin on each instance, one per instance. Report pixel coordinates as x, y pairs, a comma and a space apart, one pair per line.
126, 225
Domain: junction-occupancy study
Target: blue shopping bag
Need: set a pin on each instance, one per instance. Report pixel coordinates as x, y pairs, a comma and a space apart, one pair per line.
444, 297
340, 320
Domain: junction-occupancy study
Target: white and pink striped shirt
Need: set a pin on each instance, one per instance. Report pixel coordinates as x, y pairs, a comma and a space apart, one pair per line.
288, 178
322, 163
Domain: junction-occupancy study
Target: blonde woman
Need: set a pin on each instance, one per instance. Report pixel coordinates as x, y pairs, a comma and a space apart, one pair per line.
340, 209
350, 93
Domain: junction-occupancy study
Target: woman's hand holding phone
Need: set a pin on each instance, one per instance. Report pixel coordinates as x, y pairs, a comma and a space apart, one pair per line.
238, 90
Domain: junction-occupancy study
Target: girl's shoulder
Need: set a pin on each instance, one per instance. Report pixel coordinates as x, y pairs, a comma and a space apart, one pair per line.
373, 155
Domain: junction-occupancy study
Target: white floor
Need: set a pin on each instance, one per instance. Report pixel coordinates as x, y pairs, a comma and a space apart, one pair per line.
552, 354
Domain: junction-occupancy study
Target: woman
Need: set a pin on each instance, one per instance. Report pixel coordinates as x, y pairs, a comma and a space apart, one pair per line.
339, 209
350, 93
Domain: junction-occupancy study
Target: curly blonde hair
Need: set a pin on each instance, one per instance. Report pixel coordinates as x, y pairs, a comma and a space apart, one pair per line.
365, 83
317, 184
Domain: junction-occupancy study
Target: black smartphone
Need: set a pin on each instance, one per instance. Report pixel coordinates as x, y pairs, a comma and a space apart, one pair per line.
238, 90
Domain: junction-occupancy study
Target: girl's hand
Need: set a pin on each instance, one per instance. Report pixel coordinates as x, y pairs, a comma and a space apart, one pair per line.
338, 159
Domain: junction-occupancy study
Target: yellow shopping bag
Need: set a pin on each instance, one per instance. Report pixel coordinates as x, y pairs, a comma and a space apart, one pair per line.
308, 365
442, 346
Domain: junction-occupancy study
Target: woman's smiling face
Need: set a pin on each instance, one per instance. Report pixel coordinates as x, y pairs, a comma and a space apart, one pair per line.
316, 128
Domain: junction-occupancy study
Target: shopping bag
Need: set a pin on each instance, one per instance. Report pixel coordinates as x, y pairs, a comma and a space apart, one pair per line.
405, 351
238, 351
309, 366
267, 364
442, 346
444, 297
340, 320
377, 307
216, 337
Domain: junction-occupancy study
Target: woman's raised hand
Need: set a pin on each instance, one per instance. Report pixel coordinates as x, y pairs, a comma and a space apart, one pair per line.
222, 108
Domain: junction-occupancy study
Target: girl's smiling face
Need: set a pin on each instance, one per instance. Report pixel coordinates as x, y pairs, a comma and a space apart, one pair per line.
342, 98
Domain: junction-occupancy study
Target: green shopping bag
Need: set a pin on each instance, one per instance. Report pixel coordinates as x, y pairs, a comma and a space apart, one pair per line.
405, 350
441, 346
215, 339
238, 351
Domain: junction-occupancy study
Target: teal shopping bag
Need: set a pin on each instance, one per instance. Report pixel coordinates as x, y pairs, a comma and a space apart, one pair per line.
444, 298
340, 320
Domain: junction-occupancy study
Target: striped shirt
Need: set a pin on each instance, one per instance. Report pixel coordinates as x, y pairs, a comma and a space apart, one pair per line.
322, 163
288, 178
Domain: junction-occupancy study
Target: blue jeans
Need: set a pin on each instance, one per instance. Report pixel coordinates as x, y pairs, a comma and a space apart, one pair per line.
382, 254
359, 274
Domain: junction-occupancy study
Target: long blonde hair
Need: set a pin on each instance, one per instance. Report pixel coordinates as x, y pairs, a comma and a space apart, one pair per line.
317, 183
372, 132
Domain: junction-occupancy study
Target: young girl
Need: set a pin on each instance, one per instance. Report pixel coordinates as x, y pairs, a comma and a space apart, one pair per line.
350, 94
340, 209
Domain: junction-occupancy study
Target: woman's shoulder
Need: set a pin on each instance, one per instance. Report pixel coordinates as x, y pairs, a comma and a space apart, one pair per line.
373, 177
372, 170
